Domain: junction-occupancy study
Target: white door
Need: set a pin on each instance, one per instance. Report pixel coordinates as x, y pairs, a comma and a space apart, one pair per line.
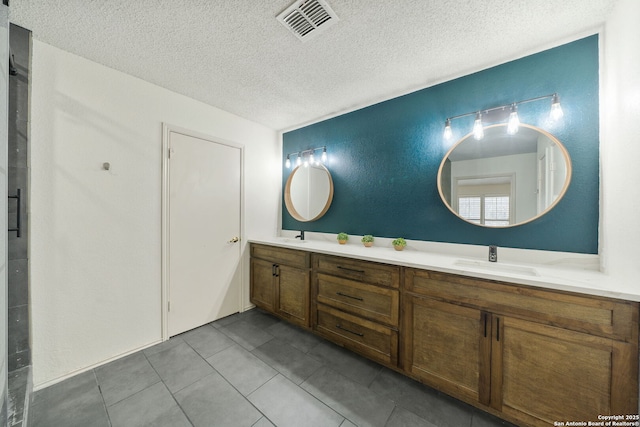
204, 227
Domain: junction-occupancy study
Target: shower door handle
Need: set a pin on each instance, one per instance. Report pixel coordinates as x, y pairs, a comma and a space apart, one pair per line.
18, 198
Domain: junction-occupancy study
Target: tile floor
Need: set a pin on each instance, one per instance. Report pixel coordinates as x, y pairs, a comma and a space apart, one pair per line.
249, 369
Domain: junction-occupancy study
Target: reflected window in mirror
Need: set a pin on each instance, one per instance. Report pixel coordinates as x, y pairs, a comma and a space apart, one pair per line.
492, 211
504, 180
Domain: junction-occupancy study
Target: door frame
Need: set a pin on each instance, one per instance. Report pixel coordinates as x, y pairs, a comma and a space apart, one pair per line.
166, 171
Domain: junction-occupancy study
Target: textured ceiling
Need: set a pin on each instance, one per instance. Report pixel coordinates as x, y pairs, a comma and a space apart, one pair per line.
234, 54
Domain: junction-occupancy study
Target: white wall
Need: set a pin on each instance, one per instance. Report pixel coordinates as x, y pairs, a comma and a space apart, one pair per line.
620, 143
96, 234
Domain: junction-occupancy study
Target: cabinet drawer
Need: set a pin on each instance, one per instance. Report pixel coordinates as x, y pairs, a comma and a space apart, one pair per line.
596, 315
290, 257
362, 271
373, 302
368, 338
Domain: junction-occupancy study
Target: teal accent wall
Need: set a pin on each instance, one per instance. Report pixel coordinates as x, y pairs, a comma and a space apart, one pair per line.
384, 158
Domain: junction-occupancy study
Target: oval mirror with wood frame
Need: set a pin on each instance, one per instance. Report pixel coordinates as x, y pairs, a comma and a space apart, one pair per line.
504, 180
308, 192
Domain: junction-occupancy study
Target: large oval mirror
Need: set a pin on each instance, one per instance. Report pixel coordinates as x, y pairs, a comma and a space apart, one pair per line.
504, 180
308, 192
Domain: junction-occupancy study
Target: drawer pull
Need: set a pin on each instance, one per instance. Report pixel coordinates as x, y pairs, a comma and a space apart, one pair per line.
18, 228
484, 318
347, 330
349, 296
351, 269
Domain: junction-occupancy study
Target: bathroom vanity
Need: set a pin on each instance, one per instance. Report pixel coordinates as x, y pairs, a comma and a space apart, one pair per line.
532, 355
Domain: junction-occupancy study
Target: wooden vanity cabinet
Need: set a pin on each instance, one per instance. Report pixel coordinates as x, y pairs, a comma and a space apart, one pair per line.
356, 304
280, 282
529, 355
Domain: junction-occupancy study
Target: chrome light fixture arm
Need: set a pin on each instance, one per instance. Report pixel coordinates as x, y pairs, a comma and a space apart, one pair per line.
306, 156
512, 108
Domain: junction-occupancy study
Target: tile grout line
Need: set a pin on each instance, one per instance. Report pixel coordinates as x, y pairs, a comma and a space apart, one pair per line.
278, 373
126, 397
367, 386
225, 379
287, 379
104, 403
310, 395
221, 329
165, 385
316, 398
395, 405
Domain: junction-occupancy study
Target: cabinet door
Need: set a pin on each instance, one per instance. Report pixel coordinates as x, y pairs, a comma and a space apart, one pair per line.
542, 374
293, 294
263, 292
448, 347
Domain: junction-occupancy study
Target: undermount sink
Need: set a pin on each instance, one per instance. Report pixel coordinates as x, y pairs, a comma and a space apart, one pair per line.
497, 267
291, 240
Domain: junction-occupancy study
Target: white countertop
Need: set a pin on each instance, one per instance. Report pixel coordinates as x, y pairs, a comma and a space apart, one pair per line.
574, 274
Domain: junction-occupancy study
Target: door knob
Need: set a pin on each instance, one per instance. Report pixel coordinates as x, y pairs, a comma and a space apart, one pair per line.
234, 240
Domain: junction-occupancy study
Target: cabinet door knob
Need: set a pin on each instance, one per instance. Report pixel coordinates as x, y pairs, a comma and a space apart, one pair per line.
234, 240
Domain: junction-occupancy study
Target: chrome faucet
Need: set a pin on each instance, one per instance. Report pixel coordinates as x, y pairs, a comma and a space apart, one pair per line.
301, 235
493, 253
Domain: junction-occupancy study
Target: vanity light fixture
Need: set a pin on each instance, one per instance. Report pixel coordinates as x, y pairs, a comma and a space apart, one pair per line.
500, 113
556, 109
478, 130
307, 157
447, 129
514, 121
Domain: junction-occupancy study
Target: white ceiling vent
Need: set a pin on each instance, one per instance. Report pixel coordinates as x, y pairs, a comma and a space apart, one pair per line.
308, 18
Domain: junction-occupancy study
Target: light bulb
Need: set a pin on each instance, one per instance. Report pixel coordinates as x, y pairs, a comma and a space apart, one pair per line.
299, 160
514, 121
287, 163
312, 159
556, 109
447, 129
324, 155
478, 131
